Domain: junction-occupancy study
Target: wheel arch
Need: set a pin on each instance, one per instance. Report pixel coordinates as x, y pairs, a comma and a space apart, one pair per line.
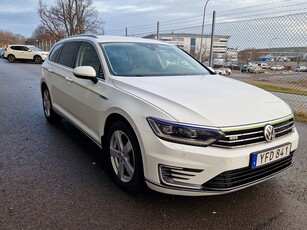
37, 55
119, 115
43, 86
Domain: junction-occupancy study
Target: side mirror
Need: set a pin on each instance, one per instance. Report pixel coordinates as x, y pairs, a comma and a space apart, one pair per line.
86, 72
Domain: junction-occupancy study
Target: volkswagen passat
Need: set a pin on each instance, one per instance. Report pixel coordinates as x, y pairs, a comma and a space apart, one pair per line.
163, 119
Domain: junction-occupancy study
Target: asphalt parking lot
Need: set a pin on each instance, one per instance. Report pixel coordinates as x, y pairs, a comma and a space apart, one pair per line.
54, 177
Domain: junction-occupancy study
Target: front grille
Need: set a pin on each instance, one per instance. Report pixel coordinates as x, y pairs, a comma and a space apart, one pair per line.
246, 176
239, 138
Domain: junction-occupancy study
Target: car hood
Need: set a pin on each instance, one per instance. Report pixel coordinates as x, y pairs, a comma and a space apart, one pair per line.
210, 100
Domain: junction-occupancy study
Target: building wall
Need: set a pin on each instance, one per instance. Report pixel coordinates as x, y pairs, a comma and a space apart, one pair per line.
191, 44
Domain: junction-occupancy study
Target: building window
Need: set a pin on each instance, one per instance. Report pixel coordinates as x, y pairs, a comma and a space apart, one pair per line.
192, 44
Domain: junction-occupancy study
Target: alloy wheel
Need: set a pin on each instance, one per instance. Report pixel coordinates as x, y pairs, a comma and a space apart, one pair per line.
47, 103
37, 59
11, 59
122, 156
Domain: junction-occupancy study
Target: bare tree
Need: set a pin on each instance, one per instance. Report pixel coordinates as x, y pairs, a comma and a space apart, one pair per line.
40, 34
70, 17
7, 37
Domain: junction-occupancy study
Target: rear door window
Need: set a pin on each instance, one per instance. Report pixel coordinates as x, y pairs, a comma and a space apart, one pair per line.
17, 48
67, 54
55, 52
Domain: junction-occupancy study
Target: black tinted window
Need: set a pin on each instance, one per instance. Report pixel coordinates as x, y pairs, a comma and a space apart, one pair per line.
87, 56
54, 52
16, 47
67, 54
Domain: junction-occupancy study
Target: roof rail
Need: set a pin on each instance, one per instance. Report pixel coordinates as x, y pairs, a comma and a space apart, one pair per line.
83, 35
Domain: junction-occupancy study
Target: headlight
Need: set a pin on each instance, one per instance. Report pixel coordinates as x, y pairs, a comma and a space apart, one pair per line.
184, 133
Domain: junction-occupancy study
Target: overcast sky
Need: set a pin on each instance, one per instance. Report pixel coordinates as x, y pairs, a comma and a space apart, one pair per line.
141, 16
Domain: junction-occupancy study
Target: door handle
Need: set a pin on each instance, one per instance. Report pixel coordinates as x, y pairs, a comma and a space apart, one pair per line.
68, 79
50, 70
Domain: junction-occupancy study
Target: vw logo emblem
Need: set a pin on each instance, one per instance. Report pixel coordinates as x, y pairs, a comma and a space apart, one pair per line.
269, 133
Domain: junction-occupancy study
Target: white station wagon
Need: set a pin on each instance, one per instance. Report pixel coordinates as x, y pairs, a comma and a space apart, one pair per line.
165, 120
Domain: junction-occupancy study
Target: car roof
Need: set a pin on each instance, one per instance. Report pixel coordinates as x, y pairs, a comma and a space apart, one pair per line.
104, 38
18, 45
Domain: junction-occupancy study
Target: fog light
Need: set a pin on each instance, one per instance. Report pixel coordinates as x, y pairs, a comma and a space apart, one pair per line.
178, 177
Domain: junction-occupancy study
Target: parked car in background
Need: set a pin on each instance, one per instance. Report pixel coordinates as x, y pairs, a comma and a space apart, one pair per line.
2, 50
253, 68
247, 68
250, 68
171, 125
300, 68
244, 69
232, 65
264, 65
228, 71
24, 52
223, 71
256, 69
220, 71
277, 67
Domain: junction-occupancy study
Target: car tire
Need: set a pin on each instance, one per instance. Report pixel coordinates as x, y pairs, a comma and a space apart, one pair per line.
124, 157
50, 115
37, 59
11, 58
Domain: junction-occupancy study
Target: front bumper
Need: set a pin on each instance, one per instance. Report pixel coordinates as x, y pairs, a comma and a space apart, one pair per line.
44, 57
193, 168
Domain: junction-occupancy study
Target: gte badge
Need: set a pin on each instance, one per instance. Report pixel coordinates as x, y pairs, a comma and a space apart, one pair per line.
269, 133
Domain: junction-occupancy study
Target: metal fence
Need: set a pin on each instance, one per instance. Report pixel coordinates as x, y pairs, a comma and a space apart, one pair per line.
45, 45
276, 44
279, 45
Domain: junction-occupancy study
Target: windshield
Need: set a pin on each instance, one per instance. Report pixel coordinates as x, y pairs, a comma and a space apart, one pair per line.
34, 48
147, 59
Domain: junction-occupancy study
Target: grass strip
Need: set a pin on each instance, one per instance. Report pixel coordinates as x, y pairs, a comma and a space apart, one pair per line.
300, 116
280, 89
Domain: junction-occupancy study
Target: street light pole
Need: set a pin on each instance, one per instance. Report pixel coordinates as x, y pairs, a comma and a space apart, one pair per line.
202, 31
